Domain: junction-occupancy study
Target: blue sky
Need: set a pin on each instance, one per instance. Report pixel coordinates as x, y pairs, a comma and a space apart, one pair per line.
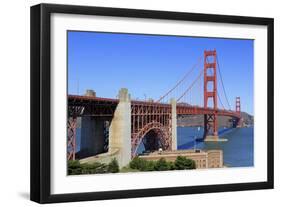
149, 65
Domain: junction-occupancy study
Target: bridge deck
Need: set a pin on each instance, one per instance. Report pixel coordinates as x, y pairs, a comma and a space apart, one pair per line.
108, 105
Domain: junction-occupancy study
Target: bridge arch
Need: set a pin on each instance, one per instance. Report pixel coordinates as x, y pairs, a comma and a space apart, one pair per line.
152, 129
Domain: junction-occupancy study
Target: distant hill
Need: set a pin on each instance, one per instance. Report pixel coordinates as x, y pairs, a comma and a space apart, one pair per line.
198, 120
248, 119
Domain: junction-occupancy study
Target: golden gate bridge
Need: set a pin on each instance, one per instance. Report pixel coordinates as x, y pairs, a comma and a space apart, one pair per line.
158, 118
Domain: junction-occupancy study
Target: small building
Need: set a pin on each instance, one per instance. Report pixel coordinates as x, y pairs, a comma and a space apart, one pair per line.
203, 159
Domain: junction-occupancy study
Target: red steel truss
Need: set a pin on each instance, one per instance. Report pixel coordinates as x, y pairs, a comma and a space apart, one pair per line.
91, 106
147, 116
71, 138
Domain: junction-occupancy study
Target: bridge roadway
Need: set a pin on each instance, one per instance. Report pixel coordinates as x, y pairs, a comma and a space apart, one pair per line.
97, 106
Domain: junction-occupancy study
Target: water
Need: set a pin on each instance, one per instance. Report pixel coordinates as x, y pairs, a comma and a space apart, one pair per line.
238, 151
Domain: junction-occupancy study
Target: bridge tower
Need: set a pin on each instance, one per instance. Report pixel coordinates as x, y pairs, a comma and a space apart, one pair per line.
238, 122
237, 104
210, 93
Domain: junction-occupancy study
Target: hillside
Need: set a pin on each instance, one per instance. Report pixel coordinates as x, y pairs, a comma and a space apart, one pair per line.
198, 120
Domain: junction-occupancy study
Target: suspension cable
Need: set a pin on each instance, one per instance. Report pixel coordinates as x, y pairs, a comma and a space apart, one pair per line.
220, 101
185, 92
223, 84
184, 77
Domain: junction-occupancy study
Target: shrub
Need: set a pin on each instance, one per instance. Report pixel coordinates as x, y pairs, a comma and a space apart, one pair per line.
171, 165
150, 166
94, 168
74, 167
183, 163
161, 165
142, 164
127, 169
138, 163
113, 166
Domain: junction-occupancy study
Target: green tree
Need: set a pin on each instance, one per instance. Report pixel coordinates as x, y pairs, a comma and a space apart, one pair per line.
149, 166
183, 163
74, 167
171, 166
161, 165
113, 166
94, 168
138, 163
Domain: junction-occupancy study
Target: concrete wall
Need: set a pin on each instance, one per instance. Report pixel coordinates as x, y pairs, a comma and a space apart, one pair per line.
120, 129
215, 158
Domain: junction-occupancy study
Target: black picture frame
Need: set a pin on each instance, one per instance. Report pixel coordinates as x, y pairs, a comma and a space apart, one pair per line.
41, 96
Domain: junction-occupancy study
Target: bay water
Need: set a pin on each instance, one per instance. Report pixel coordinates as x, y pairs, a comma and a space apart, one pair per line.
238, 150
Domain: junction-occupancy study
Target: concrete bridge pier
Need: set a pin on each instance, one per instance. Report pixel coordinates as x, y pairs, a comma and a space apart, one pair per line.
120, 129
174, 124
